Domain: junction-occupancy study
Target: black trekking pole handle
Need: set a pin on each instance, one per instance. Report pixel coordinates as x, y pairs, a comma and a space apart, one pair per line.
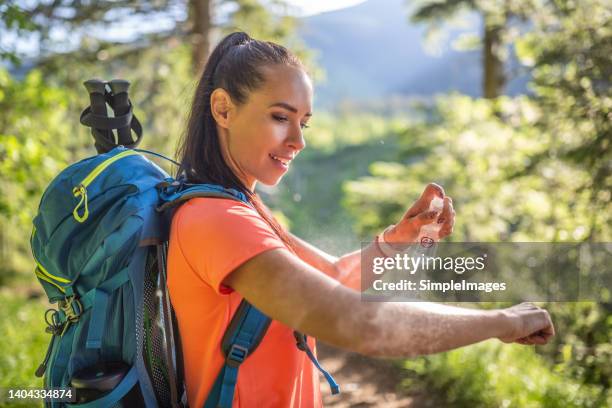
121, 106
97, 100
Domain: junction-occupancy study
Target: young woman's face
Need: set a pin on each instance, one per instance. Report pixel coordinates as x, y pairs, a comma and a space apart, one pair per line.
262, 136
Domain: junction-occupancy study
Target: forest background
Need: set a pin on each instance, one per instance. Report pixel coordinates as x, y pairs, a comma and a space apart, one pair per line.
507, 104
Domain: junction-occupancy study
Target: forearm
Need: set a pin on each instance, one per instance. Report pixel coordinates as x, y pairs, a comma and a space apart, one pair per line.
412, 329
345, 269
389, 329
397, 329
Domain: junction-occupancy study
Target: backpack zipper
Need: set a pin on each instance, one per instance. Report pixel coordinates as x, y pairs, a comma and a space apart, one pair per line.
42, 273
38, 271
81, 189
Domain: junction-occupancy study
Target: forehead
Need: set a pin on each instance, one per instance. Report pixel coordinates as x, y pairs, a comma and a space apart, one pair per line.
285, 84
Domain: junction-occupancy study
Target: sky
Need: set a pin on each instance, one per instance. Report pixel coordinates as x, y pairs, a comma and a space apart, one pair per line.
310, 7
299, 8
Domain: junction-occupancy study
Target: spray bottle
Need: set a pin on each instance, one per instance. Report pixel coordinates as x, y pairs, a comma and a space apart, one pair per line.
430, 233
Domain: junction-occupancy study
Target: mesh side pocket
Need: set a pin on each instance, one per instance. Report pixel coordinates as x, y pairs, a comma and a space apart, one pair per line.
154, 350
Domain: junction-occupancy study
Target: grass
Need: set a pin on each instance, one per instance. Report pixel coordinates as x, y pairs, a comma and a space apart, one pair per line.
492, 374
23, 342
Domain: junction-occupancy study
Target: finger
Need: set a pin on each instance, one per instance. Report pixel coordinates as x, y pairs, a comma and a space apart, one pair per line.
447, 218
548, 332
424, 218
447, 230
526, 306
537, 339
541, 336
527, 341
447, 210
550, 329
422, 204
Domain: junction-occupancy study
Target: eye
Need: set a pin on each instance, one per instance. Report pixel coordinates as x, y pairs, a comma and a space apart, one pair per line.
280, 118
304, 125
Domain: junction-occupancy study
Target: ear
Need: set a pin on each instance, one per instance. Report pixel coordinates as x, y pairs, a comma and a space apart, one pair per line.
220, 106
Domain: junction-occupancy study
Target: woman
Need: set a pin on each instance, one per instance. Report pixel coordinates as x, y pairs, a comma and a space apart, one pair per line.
250, 109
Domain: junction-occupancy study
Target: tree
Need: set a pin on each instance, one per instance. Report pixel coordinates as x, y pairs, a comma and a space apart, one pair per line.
200, 19
569, 50
497, 16
58, 24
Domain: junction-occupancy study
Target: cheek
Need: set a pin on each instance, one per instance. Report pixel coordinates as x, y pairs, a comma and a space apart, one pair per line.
253, 140
266, 137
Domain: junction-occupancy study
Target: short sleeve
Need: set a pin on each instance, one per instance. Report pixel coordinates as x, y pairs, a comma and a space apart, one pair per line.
216, 236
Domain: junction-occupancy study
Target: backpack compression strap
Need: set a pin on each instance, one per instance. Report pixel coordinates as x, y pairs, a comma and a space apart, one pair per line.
302, 344
249, 325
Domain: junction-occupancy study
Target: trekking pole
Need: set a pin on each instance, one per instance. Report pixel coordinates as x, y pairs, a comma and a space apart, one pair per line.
121, 106
97, 100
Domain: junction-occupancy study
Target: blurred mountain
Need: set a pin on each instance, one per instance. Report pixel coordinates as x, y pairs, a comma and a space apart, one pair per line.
375, 45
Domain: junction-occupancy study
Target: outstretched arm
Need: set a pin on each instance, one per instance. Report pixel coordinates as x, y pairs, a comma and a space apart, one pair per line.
288, 290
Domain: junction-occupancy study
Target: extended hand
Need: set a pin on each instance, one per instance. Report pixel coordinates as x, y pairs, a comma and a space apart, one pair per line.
529, 325
407, 229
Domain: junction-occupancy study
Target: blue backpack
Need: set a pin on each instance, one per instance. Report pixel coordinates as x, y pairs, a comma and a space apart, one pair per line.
100, 242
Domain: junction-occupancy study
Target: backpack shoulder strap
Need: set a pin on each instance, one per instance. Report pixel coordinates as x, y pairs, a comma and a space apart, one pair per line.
243, 335
173, 193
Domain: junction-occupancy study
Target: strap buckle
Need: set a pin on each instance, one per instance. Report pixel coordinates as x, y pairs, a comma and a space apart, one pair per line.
236, 355
300, 339
72, 308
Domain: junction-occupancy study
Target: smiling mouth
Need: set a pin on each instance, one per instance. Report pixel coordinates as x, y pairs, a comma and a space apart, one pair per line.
282, 160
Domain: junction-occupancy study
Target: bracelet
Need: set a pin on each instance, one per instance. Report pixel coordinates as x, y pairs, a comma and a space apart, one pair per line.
383, 246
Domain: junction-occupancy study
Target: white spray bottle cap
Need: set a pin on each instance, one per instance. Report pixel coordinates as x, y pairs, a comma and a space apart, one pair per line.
436, 204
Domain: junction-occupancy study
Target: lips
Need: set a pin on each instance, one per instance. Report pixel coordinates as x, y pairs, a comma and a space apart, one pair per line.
283, 160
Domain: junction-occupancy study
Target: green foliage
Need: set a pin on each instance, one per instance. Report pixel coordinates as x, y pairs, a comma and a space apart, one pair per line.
472, 148
331, 132
23, 342
583, 349
495, 375
569, 49
34, 141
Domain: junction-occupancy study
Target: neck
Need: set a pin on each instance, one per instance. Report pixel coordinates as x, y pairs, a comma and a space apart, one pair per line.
247, 181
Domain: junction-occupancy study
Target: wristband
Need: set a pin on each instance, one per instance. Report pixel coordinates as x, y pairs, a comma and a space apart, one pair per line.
383, 246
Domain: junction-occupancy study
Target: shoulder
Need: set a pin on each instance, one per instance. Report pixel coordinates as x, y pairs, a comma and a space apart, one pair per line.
212, 207
218, 217
216, 235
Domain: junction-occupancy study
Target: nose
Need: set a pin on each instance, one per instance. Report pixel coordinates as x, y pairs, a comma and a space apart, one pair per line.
296, 140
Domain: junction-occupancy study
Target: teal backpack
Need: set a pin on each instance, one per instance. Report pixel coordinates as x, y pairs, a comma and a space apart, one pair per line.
100, 241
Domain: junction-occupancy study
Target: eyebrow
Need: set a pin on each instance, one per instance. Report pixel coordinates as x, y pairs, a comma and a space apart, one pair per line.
285, 105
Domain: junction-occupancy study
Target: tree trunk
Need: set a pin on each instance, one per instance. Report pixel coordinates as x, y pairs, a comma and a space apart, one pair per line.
494, 79
200, 17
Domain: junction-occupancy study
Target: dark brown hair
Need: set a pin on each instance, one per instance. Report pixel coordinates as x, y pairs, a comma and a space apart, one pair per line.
234, 65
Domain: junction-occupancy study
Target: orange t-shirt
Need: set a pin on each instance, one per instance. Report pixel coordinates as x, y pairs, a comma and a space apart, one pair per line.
211, 237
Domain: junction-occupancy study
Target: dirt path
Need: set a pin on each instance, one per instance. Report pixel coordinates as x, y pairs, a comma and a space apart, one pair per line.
364, 382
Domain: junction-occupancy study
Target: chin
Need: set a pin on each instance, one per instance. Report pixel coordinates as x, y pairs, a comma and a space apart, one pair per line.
270, 181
